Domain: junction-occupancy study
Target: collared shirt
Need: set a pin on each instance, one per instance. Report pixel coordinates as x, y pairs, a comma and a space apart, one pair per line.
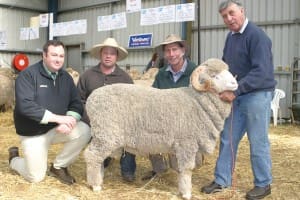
47, 114
177, 75
254, 64
243, 27
53, 75
93, 78
35, 94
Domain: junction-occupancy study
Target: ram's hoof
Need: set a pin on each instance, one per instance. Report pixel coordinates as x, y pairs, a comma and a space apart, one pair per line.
96, 188
187, 196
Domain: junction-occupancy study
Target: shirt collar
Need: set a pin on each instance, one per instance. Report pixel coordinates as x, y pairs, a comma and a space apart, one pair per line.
48, 71
53, 75
243, 27
184, 66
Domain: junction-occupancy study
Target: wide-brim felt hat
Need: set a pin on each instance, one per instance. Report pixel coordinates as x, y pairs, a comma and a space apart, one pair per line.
172, 38
109, 42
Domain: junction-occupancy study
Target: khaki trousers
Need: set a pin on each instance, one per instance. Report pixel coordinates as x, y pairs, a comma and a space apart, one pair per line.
33, 165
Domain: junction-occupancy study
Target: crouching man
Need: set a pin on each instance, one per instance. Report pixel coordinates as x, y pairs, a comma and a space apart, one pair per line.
48, 111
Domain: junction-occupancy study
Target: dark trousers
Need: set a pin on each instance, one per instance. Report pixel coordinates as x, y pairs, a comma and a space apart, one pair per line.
127, 163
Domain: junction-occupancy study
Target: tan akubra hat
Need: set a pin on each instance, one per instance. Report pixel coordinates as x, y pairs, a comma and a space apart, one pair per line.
172, 38
109, 42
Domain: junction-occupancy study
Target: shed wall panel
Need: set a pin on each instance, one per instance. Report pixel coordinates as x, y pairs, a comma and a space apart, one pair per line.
39, 5
17, 19
137, 59
278, 18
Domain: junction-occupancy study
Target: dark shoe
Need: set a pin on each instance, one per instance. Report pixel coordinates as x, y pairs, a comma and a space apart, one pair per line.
212, 188
107, 161
258, 192
128, 177
12, 153
149, 175
61, 174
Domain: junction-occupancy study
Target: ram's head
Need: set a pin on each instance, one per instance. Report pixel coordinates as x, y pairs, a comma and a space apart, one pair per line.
213, 75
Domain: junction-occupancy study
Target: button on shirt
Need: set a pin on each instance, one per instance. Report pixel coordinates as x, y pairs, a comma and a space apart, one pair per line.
177, 75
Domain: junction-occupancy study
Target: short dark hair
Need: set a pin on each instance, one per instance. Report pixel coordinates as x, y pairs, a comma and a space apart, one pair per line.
52, 43
225, 4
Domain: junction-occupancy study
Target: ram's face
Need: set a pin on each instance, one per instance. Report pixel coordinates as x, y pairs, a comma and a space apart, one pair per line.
224, 81
213, 75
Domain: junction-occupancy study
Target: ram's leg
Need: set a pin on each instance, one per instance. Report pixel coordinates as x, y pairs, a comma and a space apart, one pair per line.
185, 183
94, 169
185, 155
199, 159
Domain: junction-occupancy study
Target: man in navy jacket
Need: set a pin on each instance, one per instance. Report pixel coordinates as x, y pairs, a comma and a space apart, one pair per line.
48, 111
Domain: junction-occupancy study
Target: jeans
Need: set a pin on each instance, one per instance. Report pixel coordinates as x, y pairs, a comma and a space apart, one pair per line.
159, 163
251, 115
127, 163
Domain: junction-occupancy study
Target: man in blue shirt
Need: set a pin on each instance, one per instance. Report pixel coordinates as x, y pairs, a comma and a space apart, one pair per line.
248, 53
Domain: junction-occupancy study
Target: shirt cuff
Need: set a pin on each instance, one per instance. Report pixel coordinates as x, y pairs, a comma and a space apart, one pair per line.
46, 117
74, 114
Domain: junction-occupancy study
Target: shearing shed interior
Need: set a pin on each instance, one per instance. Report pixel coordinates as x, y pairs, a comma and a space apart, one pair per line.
137, 26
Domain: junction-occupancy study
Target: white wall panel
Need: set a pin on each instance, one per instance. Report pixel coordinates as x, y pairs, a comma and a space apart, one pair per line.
137, 58
278, 18
38, 5
18, 19
6, 59
12, 19
66, 5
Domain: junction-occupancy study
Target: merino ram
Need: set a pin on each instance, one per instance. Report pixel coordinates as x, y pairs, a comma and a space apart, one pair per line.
180, 121
7, 96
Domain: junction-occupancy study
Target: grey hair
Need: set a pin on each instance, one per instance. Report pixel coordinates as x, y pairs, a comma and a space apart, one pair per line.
227, 3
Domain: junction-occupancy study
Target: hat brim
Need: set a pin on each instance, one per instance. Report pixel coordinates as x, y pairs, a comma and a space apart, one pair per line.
95, 51
159, 48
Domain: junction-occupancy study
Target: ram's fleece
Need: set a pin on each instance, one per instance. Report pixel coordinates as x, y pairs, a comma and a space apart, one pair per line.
180, 121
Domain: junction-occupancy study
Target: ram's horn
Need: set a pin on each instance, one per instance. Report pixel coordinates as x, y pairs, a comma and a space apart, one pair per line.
200, 80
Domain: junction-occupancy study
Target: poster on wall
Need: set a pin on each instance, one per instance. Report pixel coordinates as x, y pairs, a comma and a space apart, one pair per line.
168, 14
149, 17
34, 33
140, 40
3, 40
158, 15
75, 27
44, 20
112, 22
29, 33
34, 21
185, 12
133, 5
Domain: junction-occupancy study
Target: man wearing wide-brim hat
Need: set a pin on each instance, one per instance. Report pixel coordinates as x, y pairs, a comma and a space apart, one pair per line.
107, 72
178, 68
175, 73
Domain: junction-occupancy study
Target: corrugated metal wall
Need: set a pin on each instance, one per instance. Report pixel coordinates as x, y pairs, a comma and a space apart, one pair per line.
137, 58
279, 18
36, 5
13, 16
